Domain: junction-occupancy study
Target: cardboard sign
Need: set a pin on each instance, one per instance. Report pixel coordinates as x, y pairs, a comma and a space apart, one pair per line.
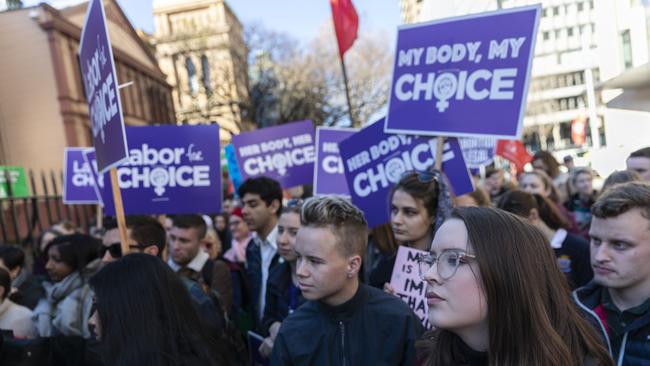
478, 151
285, 153
407, 282
13, 179
329, 175
374, 161
100, 84
171, 170
78, 183
465, 76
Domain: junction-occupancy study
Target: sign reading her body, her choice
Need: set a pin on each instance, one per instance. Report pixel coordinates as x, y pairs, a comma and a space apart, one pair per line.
171, 170
329, 175
465, 76
100, 85
374, 161
79, 184
285, 153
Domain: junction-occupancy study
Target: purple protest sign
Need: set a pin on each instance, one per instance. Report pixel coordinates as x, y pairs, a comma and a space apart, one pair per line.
464, 76
329, 175
171, 170
374, 161
478, 151
78, 183
407, 283
285, 153
100, 84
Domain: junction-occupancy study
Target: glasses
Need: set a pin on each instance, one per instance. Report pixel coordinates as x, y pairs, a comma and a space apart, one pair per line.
448, 263
294, 203
115, 249
423, 176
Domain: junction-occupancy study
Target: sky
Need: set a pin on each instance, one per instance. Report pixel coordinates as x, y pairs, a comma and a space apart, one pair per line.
301, 19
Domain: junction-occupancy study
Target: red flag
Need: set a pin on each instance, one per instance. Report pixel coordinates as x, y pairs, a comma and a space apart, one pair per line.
346, 23
514, 151
579, 130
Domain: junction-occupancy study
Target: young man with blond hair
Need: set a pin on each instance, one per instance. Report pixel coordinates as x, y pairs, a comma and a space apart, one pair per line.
344, 322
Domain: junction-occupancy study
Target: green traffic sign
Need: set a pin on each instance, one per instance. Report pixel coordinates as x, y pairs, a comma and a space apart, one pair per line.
17, 182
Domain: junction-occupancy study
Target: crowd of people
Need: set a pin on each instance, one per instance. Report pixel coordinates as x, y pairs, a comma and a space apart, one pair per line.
536, 269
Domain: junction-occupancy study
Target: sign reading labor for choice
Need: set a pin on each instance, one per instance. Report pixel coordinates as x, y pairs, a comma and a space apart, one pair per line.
100, 84
79, 184
465, 76
285, 153
329, 175
374, 161
171, 170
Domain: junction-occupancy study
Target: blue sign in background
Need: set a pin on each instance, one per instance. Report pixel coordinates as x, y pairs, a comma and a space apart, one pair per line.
464, 76
78, 183
285, 153
374, 161
100, 84
329, 174
171, 170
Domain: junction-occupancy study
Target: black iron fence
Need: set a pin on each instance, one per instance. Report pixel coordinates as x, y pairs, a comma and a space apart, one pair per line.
23, 219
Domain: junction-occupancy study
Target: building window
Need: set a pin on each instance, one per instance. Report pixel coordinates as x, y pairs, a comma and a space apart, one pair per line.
205, 70
569, 31
192, 79
546, 36
581, 6
627, 48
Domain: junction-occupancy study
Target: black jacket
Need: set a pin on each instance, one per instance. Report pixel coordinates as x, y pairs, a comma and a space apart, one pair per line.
372, 328
254, 274
277, 295
635, 347
29, 290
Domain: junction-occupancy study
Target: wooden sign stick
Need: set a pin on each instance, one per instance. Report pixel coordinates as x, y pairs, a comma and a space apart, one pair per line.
440, 146
119, 212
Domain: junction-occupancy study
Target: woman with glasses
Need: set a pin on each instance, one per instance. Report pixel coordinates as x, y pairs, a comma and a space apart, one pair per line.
417, 202
143, 315
72, 260
283, 295
495, 297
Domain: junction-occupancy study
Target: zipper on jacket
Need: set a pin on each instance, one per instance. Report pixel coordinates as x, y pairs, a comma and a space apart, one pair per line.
342, 329
621, 352
591, 312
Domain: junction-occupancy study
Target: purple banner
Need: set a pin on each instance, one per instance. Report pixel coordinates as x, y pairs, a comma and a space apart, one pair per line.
171, 170
329, 175
100, 84
285, 153
465, 76
78, 182
374, 161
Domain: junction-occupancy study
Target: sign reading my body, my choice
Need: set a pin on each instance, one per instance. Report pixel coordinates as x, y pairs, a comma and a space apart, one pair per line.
285, 153
329, 173
374, 161
100, 84
465, 76
171, 170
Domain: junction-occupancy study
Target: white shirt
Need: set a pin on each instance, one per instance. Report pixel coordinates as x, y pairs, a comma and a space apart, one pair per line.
195, 264
268, 248
558, 238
